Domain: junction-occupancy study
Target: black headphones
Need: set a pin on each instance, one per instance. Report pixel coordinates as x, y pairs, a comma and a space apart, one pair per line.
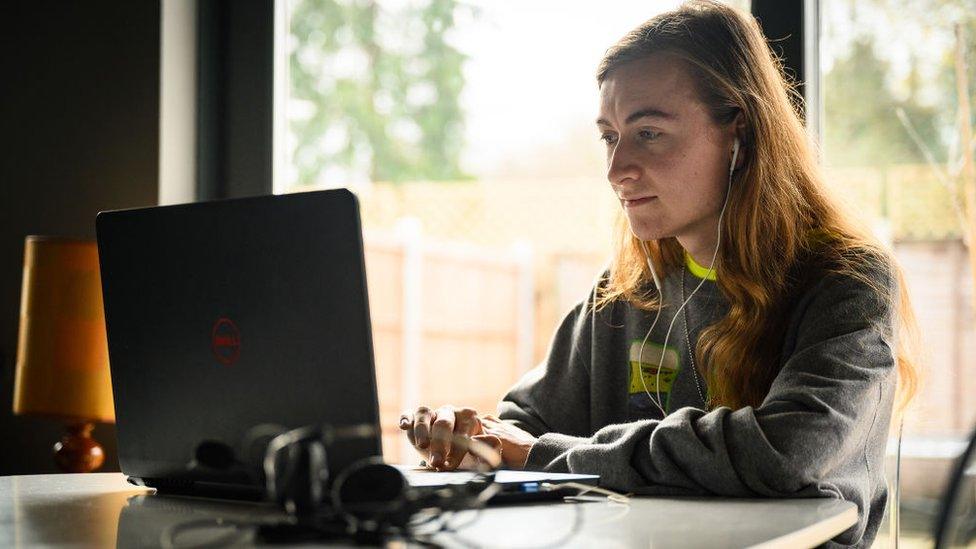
367, 500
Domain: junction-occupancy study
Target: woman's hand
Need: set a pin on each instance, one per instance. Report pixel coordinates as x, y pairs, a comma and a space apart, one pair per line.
511, 442
441, 436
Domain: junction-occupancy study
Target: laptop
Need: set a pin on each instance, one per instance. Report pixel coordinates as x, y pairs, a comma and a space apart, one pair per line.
228, 315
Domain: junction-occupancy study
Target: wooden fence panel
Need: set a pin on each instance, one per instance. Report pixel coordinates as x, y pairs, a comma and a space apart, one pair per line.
446, 326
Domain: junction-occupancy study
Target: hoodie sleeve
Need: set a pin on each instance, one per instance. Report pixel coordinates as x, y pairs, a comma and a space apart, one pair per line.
830, 395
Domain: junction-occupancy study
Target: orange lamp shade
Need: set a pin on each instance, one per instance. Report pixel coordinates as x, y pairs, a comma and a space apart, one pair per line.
62, 353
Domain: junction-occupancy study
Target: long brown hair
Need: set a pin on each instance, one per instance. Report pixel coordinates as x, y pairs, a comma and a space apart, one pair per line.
779, 190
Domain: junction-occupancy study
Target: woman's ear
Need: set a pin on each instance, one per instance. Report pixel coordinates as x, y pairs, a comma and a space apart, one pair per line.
740, 131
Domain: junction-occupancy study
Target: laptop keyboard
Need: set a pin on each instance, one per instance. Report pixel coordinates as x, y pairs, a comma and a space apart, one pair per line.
426, 477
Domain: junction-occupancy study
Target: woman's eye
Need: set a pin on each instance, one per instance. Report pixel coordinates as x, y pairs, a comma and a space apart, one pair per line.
608, 138
648, 135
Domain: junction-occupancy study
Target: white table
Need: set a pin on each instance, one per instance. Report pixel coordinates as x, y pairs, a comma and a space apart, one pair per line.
102, 510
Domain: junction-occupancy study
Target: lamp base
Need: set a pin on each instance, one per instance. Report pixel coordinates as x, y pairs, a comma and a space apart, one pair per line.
78, 452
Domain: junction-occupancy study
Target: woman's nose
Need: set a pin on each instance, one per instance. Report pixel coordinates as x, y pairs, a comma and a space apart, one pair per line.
621, 167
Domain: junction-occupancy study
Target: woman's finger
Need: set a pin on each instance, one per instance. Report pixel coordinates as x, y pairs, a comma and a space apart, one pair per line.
466, 423
441, 435
421, 427
411, 438
495, 447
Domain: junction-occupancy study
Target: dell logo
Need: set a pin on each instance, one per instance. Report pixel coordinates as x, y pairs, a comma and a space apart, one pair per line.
225, 341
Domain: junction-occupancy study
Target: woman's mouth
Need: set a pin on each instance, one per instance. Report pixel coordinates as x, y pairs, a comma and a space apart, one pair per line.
637, 201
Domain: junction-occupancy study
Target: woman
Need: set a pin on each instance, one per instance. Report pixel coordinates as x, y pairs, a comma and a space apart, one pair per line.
748, 338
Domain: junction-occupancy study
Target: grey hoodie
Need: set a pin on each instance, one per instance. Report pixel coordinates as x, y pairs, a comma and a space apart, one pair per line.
820, 432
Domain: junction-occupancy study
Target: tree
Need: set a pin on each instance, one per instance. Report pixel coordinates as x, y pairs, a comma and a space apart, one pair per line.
381, 91
862, 127
943, 138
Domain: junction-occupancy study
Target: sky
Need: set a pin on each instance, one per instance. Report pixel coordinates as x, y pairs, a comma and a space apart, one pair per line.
923, 34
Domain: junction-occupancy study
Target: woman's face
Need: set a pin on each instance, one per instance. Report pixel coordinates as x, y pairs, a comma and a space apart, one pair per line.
667, 161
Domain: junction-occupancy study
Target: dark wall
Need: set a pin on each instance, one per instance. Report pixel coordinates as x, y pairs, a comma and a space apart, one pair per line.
79, 133
782, 23
235, 98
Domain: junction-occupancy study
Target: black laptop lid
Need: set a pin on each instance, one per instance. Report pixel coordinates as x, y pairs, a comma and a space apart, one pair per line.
225, 315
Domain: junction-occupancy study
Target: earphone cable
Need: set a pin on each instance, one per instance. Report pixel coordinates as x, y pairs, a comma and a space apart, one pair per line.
711, 267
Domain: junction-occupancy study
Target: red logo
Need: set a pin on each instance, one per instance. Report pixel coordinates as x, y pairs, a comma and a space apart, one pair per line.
225, 340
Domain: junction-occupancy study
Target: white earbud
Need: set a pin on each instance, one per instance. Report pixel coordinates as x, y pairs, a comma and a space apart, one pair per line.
735, 155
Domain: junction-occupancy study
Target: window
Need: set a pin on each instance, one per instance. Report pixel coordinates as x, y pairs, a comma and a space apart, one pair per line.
893, 145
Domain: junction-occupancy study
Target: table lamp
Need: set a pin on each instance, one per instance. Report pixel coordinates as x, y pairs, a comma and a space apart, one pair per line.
62, 353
